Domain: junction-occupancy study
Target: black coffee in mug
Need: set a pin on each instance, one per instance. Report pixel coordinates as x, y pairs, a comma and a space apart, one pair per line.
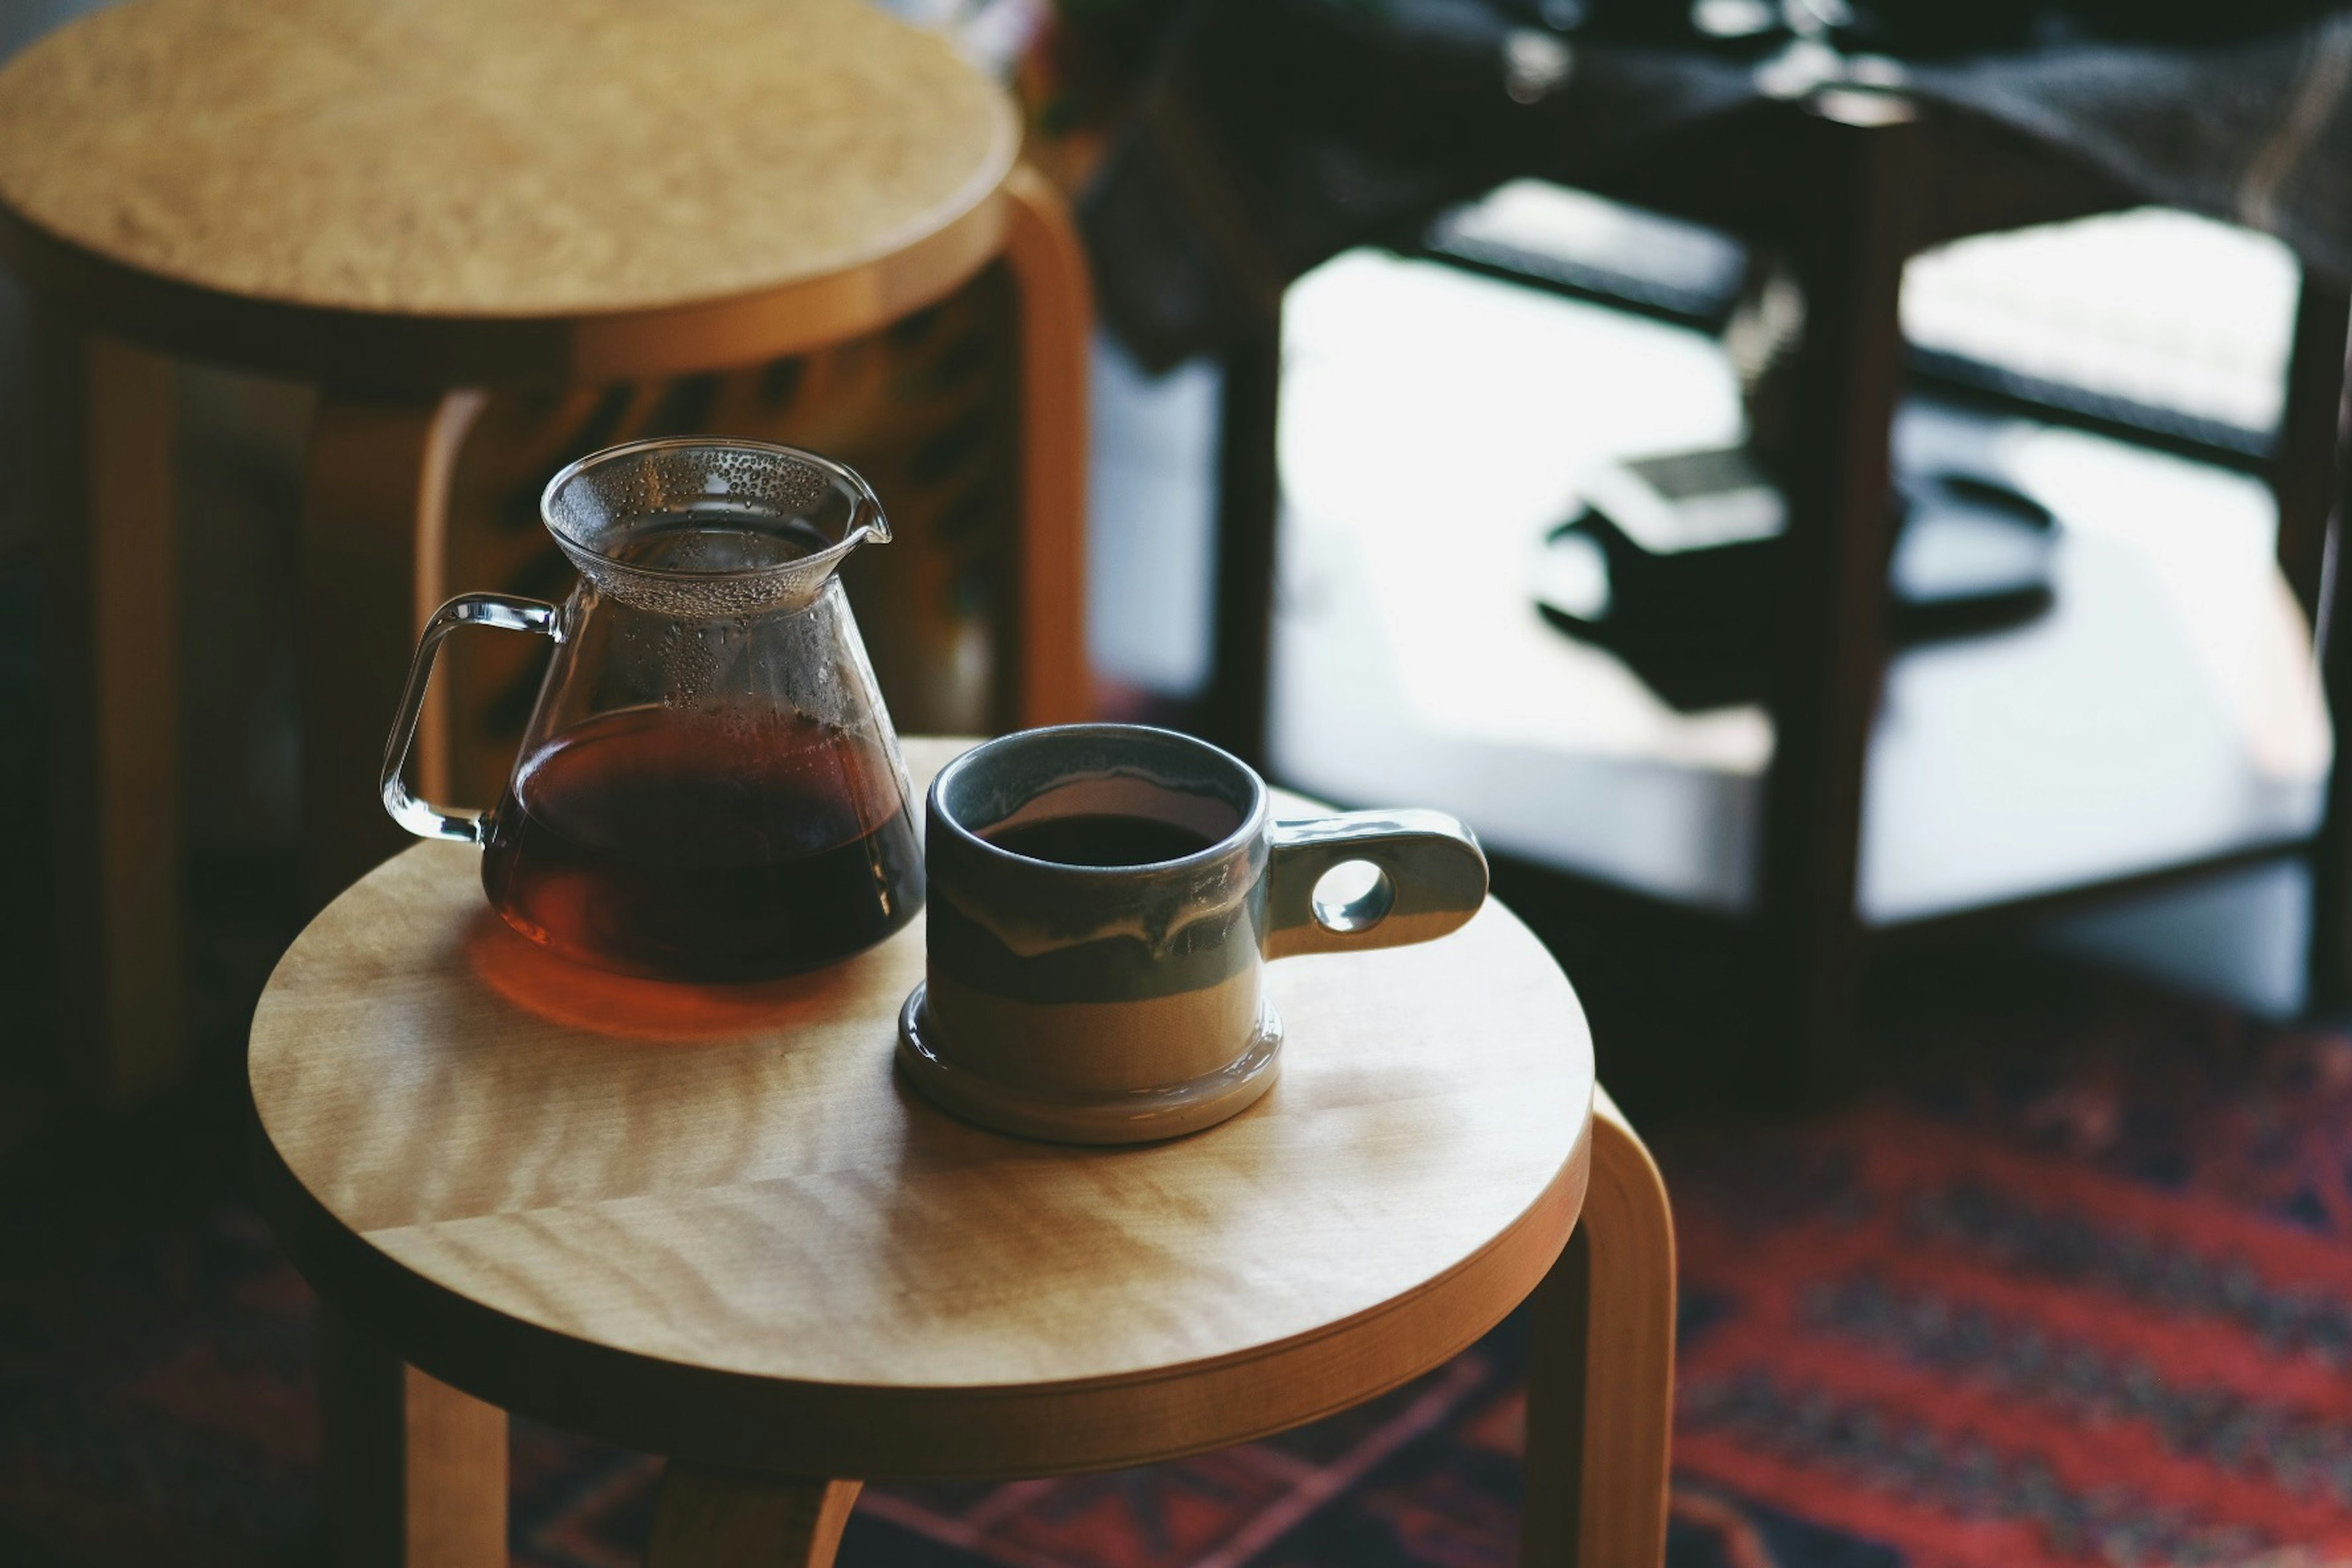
1101, 839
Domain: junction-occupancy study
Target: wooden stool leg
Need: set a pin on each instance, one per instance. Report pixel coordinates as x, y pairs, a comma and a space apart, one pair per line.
374, 519
1051, 684
1600, 1387
731, 1519
416, 1473
103, 473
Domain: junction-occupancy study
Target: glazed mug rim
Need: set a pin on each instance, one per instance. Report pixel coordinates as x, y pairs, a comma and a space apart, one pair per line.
1253, 816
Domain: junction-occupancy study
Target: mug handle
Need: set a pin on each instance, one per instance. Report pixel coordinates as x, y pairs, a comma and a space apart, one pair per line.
503, 611
1433, 879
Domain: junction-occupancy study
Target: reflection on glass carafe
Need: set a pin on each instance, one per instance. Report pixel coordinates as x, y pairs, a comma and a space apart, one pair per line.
708, 787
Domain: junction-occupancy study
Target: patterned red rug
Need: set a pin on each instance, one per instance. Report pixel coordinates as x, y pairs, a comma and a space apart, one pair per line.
2086, 1300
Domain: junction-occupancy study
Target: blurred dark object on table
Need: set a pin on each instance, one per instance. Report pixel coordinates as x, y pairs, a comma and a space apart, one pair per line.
1675, 564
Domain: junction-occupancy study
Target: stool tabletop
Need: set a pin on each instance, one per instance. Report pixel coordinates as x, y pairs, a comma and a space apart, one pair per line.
711, 1222
443, 165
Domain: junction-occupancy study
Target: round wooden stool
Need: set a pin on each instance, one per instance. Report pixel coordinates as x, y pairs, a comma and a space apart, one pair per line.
405, 203
713, 1225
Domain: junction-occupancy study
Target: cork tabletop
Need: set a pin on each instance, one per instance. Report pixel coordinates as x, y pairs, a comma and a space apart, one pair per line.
712, 1222
528, 160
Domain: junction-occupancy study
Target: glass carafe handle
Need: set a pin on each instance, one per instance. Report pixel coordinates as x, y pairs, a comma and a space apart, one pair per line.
504, 611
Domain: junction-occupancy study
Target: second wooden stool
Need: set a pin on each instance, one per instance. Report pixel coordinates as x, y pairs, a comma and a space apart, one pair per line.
409, 204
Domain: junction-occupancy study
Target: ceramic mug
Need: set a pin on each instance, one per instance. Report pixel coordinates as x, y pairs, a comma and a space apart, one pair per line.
1104, 899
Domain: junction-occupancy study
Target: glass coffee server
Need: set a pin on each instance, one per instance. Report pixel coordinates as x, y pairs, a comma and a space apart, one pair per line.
710, 788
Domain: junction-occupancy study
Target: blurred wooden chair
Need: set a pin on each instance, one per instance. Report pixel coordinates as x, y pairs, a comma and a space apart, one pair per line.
1847, 185
408, 206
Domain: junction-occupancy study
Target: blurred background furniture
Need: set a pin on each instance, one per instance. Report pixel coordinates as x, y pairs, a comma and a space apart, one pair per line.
408, 208
862, 1287
1841, 173
1848, 186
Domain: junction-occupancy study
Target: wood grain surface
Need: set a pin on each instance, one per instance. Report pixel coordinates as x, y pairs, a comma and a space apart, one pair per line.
711, 1223
440, 190
536, 157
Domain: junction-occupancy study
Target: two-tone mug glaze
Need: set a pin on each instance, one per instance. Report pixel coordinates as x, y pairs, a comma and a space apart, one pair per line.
1119, 1003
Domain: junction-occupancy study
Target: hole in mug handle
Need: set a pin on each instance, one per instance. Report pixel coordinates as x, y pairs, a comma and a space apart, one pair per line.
1406, 876
1353, 896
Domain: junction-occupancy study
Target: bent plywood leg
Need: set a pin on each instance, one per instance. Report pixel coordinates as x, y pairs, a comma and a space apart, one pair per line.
375, 516
1601, 1385
417, 1471
1048, 632
103, 468
709, 1517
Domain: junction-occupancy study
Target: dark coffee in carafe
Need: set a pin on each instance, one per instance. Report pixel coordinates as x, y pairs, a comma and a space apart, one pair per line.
677, 847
